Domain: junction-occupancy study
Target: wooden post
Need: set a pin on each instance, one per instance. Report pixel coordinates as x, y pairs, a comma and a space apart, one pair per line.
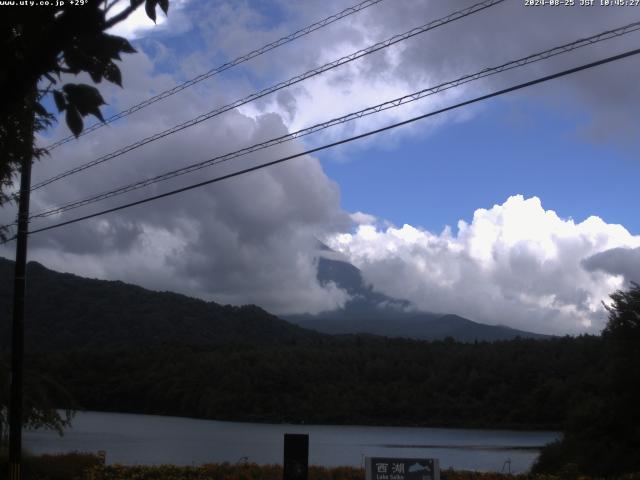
296, 457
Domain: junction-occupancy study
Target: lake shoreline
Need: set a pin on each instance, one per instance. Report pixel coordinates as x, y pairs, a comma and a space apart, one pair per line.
133, 439
508, 427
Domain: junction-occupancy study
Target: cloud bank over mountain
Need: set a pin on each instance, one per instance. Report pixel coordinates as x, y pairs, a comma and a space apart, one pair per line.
515, 264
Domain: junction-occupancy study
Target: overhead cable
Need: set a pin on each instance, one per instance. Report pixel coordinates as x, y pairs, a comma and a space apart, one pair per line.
226, 66
341, 142
396, 102
279, 86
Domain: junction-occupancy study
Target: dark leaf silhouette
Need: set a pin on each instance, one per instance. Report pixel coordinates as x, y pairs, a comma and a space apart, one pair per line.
74, 120
39, 109
150, 8
58, 97
85, 98
112, 73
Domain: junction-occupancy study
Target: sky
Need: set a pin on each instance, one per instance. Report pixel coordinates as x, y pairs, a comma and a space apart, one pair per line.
516, 211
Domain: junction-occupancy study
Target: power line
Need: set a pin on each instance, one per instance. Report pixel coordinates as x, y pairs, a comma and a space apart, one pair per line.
279, 86
226, 66
346, 140
609, 34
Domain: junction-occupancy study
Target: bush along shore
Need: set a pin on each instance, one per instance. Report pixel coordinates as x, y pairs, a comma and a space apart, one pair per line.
86, 466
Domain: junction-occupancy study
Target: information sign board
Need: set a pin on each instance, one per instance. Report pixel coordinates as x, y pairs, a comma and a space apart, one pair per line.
402, 468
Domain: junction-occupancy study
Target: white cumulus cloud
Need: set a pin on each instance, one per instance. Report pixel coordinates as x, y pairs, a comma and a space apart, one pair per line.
515, 264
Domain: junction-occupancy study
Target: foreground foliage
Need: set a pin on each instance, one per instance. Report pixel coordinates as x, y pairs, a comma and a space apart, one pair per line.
76, 42
217, 471
41, 397
602, 431
69, 466
83, 466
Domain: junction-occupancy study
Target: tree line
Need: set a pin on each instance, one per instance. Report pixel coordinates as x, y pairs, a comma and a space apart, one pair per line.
349, 380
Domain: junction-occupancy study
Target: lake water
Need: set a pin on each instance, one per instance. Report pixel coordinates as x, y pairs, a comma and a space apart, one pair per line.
147, 439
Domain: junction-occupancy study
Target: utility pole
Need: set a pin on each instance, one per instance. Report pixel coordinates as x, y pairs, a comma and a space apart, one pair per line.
19, 287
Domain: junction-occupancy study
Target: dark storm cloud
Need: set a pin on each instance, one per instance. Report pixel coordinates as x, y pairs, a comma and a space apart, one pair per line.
616, 261
247, 240
607, 95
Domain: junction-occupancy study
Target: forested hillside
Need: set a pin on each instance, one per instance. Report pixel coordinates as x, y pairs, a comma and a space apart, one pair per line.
349, 380
65, 311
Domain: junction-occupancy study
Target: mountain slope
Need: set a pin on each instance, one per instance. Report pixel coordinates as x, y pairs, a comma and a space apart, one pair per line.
66, 311
375, 313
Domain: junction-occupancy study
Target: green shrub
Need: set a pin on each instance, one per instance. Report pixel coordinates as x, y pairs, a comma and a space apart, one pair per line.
84, 466
68, 466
